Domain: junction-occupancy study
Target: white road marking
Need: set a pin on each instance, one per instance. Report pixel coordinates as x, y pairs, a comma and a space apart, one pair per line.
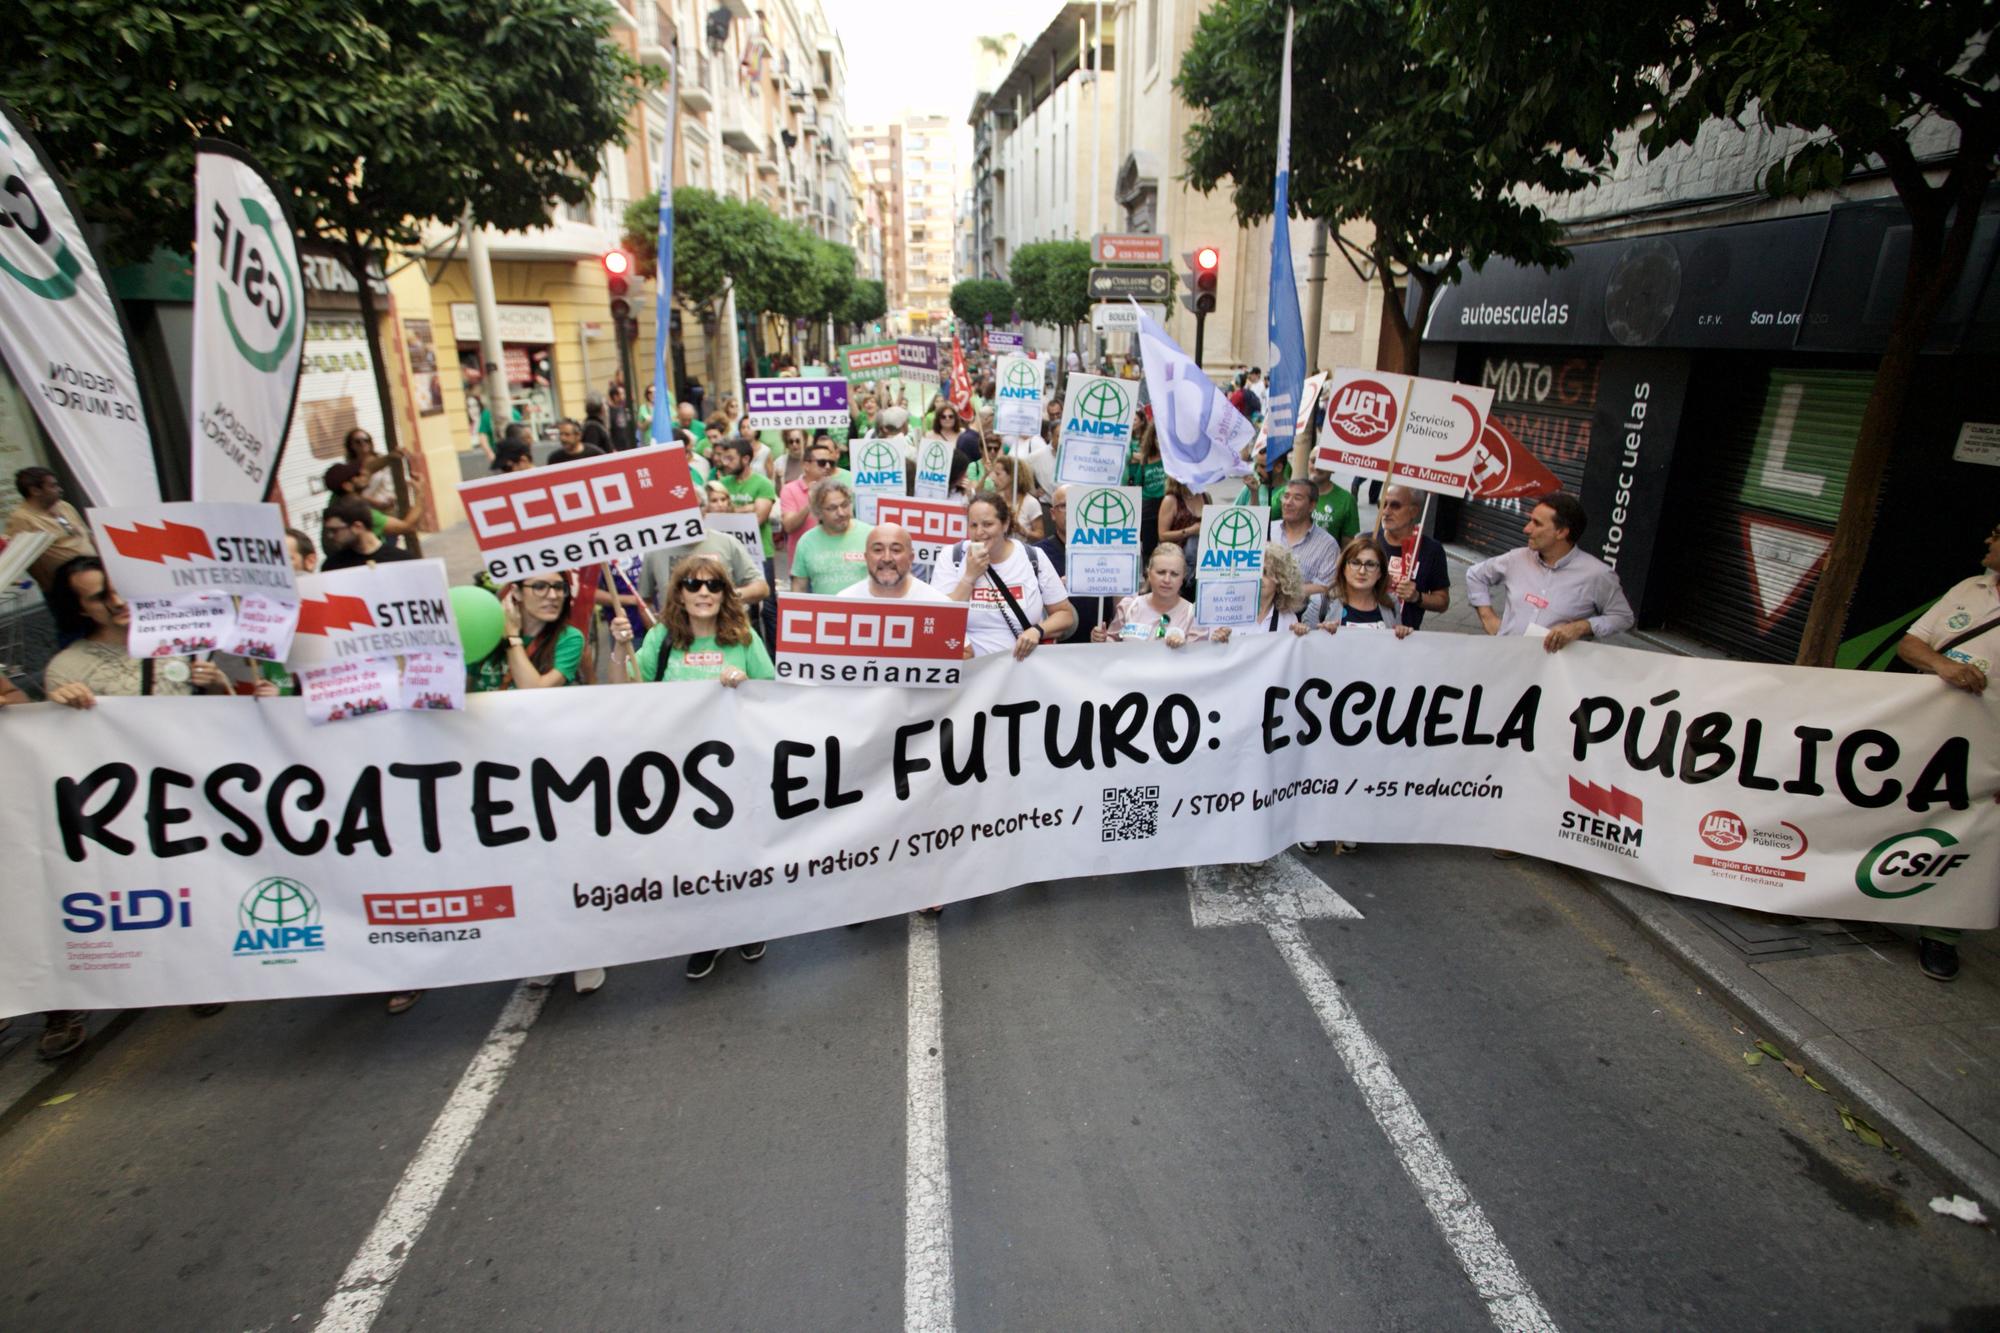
363, 1288
1270, 896
927, 1278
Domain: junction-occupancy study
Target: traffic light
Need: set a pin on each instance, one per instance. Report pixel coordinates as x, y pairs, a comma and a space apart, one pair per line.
1202, 264
617, 271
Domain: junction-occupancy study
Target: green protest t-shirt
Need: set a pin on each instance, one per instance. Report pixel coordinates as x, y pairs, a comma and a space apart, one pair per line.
491, 672
832, 564
754, 485
704, 659
1337, 513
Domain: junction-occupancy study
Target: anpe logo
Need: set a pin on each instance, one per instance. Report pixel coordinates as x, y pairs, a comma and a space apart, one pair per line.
1920, 855
30, 251
534, 508
1235, 542
936, 457
877, 456
1021, 374
439, 907
1363, 412
1102, 409
1106, 518
1723, 831
86, 913
252, 280
278, 917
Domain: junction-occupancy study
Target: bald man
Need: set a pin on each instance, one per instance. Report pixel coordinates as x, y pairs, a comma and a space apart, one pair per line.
889, 554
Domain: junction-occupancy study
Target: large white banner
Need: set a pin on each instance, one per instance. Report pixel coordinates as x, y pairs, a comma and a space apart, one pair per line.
185, 850
61, 333
249, 326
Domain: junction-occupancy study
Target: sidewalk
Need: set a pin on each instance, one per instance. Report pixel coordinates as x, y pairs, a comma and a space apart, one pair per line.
1917, 1059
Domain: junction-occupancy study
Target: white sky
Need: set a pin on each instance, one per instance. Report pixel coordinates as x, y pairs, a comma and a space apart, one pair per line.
919, 58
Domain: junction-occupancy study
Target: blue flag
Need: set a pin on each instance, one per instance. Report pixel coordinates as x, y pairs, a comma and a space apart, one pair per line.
1287, 334
663, 408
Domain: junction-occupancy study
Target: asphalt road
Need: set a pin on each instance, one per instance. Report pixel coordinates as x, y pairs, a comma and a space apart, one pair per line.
1484, 1101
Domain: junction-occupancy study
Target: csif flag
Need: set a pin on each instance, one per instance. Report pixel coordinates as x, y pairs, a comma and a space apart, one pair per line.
663, 403
249, 334
61, 332
1201, 436
1287, 333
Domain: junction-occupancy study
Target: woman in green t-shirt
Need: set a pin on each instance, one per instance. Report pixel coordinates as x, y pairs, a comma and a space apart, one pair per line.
703, 634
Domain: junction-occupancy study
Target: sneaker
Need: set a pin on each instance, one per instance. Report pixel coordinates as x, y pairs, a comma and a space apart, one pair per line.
206, 1010
403, 1001
701, 964
1502, 854
1346, 848
65, 1033
588, 979
1938, 959
750, 953
1309, 847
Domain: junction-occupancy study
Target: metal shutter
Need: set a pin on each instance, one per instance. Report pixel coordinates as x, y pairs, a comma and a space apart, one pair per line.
1776, 470
1546, 397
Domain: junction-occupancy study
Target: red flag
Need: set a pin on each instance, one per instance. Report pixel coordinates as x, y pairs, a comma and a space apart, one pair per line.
961, 384
1503, 469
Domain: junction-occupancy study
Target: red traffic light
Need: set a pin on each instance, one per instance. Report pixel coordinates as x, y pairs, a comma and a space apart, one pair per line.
617, 263
1207, 259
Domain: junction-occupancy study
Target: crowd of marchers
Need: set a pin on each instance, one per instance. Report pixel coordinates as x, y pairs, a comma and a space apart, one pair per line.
706, 612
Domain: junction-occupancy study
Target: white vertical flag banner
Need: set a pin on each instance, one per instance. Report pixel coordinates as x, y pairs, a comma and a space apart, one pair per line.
249, 326
60, 330
1201, 436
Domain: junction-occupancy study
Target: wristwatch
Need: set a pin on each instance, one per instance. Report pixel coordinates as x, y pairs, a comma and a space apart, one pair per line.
516, 640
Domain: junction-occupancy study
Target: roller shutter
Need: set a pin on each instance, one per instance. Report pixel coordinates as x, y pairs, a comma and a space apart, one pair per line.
1776, 471
1546, 397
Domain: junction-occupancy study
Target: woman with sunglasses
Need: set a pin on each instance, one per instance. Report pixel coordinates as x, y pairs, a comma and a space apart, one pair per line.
795, 513
703, 634
945, 425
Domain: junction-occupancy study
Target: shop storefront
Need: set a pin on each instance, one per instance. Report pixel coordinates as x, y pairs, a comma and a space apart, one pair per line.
1702, 392
528, 344
337, 386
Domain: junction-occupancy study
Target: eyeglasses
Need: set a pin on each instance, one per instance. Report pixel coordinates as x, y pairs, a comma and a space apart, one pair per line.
543, 586
717, 586
1364, 564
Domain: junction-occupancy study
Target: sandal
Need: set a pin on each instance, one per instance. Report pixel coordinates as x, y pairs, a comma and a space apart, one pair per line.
66, 1032
404, 1000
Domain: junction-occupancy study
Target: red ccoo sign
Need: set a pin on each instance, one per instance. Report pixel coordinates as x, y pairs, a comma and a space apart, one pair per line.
870, 641
574, 514
1113, 248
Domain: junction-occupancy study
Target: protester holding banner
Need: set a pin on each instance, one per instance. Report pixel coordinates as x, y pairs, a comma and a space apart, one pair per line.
1158, 611
1415, 561
1958, 640
1316, 552
89, 612
944, 425
1280, 599
890, 555
1018, 600
538, 646
1554, 590
43, 509
832, 556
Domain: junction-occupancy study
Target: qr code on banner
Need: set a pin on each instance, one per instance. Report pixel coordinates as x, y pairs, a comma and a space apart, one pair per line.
1131, 813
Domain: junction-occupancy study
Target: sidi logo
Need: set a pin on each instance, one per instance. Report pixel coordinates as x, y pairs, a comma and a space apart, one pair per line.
86, 913
1363, 412
538, 506
1723, 831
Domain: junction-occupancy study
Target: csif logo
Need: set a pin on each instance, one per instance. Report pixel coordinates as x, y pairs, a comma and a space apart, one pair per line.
1236, 541
251, 278
1105, 518
1363, 412
1919, 855
86, 913
45, 264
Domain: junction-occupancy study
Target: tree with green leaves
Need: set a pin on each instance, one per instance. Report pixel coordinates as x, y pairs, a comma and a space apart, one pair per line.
1051, 281
868, 303
975, 299
1385, 133
1910, 88
370, 119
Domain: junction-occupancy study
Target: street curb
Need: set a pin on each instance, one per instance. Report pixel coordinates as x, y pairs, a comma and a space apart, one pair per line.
26, 1085
1924, 1134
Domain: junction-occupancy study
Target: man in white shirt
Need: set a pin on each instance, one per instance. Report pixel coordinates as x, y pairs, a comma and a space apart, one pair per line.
890, 554
1958, 640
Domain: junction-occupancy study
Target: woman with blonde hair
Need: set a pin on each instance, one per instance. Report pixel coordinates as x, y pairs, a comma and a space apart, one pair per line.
1281, 597
1157, 611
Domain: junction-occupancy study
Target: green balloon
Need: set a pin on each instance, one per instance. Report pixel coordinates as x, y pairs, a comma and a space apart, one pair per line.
480, 621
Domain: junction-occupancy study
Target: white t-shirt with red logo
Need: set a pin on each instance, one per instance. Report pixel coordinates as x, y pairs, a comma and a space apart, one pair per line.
917, 591
990, 624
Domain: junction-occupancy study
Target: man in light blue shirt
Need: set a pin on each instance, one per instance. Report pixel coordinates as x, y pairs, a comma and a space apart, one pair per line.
1553, 590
